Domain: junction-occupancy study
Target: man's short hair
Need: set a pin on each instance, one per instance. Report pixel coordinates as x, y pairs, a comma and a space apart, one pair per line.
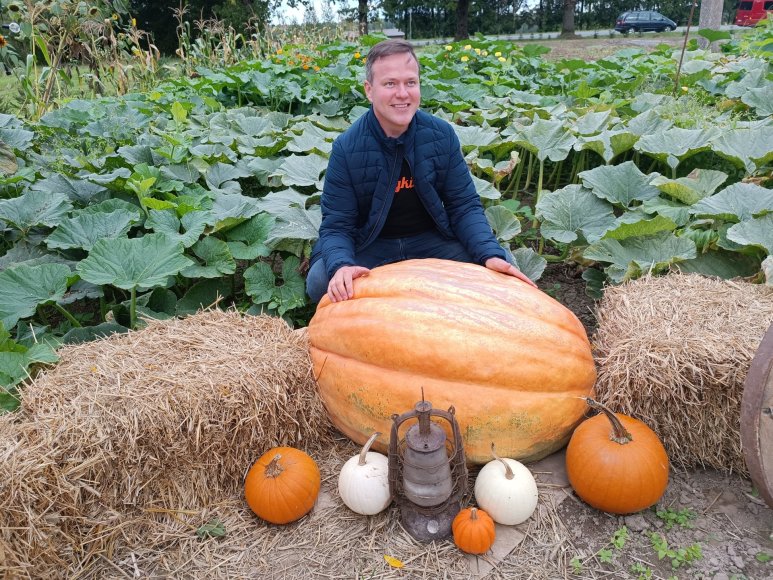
387, 48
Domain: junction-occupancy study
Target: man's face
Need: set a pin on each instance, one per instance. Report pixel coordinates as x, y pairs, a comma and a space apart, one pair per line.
394, 92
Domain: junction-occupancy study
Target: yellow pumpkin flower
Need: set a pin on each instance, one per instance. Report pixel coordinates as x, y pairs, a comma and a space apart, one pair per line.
502, 59
316, 68
357, 55
134, 23
449, 47
497, 54
465, 58
279, 51
477, 51
685, 89
484, 53
467, 46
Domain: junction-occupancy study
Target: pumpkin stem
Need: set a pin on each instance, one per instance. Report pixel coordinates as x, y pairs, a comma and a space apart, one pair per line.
273, 469
473, 513
508, 472
366, 448
619, 433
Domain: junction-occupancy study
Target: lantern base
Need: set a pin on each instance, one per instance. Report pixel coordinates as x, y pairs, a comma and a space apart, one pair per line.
426, 528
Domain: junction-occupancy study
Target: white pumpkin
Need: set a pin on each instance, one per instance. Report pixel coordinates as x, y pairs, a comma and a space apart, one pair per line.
363, 483
506, 490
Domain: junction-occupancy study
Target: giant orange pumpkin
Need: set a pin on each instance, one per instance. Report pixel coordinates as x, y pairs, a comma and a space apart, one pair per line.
513, 361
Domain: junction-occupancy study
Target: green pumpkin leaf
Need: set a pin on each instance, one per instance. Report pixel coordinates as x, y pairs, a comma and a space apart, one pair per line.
84, 230
504, 222
738, 202
529, 262
24, 287
546, 139
747, 147
674, 145
573, 211
638, 223
633, 257
303, 170
140, 263
35, 208
216, 259
77, 191
166, 222
620, 184
692, 188
261, 285
754, 232
247, 241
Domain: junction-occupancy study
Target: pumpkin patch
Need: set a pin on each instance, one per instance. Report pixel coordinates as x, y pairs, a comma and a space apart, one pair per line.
513, 361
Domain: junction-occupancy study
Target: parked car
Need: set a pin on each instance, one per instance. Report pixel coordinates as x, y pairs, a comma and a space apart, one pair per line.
750, 12
642, 21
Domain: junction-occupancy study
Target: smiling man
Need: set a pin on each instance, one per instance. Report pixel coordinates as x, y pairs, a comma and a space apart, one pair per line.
397, 187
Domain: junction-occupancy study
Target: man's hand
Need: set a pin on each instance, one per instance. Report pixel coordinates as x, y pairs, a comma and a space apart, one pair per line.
341, 286
500, 265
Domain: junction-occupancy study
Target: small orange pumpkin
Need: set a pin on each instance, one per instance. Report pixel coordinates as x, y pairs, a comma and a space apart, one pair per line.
621, 471
282, 485
474, 531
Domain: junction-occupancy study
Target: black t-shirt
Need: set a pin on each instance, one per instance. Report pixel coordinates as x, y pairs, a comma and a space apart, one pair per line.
407, 216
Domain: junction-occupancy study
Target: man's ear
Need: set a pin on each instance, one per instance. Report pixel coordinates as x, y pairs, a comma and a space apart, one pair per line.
368, 88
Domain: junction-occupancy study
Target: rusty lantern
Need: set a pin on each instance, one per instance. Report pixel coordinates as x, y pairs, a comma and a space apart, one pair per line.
427, 471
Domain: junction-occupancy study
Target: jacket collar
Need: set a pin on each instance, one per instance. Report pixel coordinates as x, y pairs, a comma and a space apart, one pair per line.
391, 143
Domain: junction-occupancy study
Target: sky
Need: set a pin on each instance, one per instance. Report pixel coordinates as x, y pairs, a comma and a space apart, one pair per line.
288, 15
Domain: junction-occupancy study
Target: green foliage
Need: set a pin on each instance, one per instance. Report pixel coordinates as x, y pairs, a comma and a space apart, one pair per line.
212, 529
683, 518
642, 572
678, 557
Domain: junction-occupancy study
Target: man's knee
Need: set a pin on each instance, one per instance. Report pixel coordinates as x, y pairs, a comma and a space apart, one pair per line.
317, 281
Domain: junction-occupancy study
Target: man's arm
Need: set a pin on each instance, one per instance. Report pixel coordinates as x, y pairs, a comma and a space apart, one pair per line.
464, 208
339, 214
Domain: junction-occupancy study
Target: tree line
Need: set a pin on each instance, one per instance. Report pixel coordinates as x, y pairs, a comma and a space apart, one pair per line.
417, 18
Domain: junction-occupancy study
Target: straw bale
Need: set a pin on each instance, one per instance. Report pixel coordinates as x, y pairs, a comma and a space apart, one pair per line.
673, 351
169, 417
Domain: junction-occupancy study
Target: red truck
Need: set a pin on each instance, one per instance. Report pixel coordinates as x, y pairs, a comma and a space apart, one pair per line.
750, 12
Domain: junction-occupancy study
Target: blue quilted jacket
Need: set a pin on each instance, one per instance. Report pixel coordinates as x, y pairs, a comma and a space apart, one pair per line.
360, 181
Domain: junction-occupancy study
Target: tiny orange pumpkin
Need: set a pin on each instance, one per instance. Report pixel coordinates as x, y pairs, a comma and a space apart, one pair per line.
282, 485
473, 530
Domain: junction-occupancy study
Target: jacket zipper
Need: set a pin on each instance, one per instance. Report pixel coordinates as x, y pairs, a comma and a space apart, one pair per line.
434, 219
391, 180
